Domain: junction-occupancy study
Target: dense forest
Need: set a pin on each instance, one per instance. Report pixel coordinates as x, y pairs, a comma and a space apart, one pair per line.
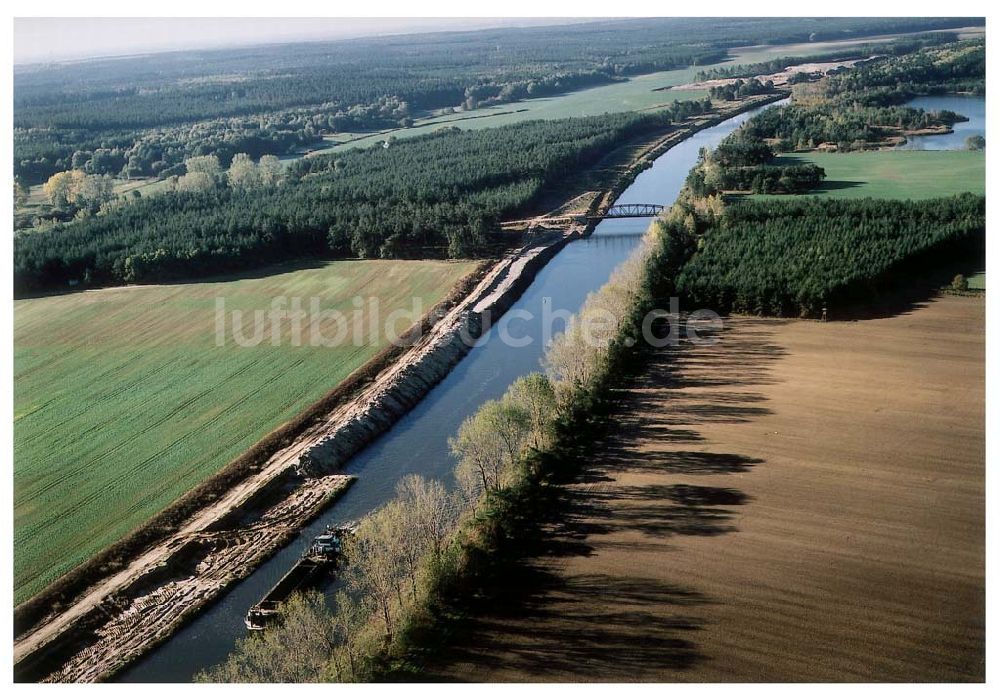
441, 194
740, 89
157, 152
427, 70
794, 257
127, 113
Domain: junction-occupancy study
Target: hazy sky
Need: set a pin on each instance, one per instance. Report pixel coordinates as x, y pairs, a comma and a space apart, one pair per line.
45, 39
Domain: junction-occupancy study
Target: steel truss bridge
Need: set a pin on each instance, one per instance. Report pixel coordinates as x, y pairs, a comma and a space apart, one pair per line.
618, 211
628, 211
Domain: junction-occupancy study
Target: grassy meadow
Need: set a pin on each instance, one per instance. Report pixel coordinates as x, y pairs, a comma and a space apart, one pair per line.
123, 400
637, 93
896, 174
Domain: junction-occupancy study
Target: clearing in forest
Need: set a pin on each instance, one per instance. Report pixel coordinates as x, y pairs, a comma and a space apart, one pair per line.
896, 174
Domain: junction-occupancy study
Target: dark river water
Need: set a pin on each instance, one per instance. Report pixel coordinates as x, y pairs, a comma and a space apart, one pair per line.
972, 107
419, 442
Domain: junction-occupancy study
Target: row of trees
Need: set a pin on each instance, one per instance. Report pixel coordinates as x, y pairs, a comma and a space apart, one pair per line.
397, 553
393, 553
203, 173
441, 193
406, 554
740, 89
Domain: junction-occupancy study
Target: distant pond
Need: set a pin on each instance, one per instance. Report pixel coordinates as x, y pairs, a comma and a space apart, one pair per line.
972, 107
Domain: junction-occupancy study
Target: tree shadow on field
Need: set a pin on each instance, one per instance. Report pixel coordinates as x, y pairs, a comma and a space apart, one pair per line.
570, 608
587, 627
830, 185
905, 290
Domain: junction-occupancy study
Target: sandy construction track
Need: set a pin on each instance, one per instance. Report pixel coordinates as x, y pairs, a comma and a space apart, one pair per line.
777, 78
804, 501
217, 558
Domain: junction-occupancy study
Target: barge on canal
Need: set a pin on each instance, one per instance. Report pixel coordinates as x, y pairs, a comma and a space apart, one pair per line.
321, 557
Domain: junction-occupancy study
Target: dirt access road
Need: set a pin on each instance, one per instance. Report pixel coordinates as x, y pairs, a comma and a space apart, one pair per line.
803, 501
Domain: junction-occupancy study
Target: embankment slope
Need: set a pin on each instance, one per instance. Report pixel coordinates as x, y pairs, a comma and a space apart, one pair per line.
802, 502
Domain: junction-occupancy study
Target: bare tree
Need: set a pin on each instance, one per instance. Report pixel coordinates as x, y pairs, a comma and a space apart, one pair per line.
405, 541
431, 511
270, 170
243, 172
373, 567
208, 164
297, 649
470, 484
196, 181
534, 394
348, 619
490, 441
570, 362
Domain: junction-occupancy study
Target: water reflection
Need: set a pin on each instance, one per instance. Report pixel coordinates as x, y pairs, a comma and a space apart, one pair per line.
972, 107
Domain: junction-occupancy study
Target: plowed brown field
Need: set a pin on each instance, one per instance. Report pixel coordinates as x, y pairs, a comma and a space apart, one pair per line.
803, 501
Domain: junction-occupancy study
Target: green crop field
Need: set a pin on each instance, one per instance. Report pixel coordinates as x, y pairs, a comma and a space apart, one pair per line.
897, 174
123, 399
